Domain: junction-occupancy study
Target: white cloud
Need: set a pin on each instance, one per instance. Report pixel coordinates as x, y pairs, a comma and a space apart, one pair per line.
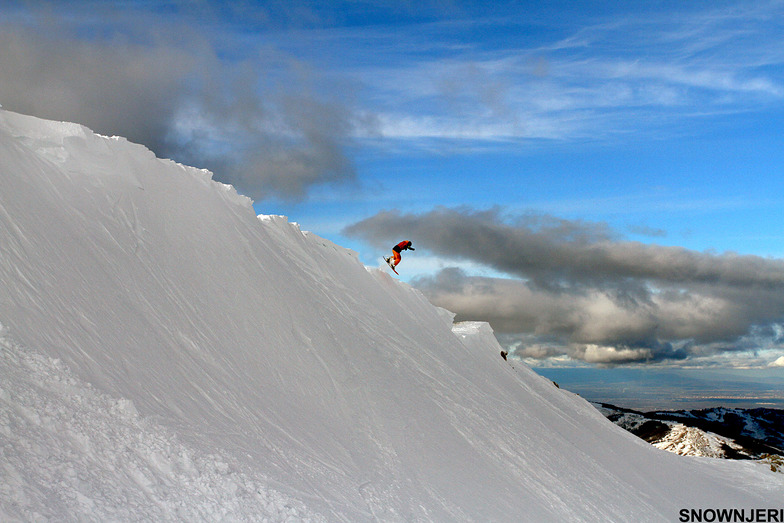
610, 355
679, 65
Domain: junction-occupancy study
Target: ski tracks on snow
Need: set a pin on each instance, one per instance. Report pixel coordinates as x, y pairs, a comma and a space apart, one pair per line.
65, 448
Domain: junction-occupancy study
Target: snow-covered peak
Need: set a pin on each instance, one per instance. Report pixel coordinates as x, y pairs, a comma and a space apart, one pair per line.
165, 348
691, 441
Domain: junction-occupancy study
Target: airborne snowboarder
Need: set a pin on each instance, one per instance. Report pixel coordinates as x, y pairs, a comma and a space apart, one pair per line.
393, 260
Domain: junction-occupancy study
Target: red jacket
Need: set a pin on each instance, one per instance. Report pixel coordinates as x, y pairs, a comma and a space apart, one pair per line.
402, 246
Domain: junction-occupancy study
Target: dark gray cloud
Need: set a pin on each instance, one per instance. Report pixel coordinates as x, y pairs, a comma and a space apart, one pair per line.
181, 89
554, 251
578, 288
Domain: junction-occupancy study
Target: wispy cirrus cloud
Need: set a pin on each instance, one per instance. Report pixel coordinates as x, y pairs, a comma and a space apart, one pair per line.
591, 80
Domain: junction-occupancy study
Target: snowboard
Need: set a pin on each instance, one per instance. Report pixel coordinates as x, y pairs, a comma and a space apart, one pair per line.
391, 265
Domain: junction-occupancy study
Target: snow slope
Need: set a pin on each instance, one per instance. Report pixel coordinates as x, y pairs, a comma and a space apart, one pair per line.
167, 355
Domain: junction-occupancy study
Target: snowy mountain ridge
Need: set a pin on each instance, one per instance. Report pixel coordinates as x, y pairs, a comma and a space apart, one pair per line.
717, 432
689, 441
168, 355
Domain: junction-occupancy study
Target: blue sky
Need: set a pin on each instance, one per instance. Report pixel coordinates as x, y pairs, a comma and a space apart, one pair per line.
662, 123
602, 181
656, 121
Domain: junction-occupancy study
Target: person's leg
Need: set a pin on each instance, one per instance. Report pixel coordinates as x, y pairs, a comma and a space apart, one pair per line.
397, 257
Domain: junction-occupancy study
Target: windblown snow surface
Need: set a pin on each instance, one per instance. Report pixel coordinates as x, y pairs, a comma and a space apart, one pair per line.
165, 354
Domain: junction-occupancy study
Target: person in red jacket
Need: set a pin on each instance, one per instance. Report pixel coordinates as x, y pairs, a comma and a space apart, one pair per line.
405, 245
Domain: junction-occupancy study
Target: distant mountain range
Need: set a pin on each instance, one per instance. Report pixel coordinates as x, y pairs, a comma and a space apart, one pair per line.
717, 432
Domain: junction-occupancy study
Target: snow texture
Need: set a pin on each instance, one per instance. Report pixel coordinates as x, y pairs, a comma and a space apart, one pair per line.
167, 355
